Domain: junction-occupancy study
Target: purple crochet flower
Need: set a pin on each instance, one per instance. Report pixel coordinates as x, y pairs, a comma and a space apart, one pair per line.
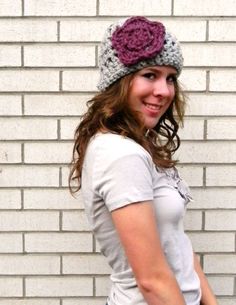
138, 39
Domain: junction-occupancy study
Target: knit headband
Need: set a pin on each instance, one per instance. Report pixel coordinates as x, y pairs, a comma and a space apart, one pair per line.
135, 43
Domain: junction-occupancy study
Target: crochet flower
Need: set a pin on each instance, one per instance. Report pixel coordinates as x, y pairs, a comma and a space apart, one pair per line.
138, 39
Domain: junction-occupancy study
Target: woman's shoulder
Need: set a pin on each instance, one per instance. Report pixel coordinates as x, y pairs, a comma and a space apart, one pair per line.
115, 146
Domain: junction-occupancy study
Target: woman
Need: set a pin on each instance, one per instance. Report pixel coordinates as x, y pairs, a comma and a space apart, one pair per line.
133, 195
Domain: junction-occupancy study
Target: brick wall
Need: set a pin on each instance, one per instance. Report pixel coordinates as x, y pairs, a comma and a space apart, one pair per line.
48, 69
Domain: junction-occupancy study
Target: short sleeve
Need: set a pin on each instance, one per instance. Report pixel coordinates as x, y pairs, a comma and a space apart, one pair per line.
125, 180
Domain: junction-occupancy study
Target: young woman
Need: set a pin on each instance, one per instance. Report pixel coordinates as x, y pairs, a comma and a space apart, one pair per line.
133, 195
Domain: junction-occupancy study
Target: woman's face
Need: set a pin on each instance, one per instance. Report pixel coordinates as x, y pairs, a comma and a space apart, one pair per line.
152, 90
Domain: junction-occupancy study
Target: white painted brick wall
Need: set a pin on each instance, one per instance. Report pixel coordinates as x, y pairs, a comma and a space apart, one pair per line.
11, 287
204, 8
54, 242
219, 30
10, 56
55, 105
213, 104
48, 71
24, 30
58, 286
85, 264
30, 302
132, 7
222, 80
59, 56
10, 199
30, 264
60, 8
210, 54
13, 103
83, 80
10, 7
18, 128
221, 176
29, 80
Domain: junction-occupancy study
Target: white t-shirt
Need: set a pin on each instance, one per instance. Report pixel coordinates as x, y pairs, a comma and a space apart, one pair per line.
116, 172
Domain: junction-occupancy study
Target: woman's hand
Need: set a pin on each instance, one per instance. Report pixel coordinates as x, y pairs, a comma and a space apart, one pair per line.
136, 226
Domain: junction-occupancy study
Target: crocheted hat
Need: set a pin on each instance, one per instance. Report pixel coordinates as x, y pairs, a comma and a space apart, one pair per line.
135, 43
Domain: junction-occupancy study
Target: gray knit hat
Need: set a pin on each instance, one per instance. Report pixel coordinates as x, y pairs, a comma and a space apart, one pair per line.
135, 43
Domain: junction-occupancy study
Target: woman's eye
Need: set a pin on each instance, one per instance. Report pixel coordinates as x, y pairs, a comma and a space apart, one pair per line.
149, 75
172, 78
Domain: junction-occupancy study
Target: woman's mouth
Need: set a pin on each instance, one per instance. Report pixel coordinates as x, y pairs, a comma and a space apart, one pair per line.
152, 107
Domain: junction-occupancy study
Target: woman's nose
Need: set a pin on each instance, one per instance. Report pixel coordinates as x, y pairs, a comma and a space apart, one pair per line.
161, 88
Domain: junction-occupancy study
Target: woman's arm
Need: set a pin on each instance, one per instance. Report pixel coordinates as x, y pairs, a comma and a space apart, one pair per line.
137, 229
208, 297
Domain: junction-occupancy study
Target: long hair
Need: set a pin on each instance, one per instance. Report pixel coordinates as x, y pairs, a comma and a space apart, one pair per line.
109, 111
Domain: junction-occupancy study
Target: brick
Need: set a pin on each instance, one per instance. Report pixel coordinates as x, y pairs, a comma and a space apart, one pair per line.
29, 221
10, 243
25, 301
193, 80
193, 130
28, 30
83, 30
193, 220
214, 198
216, 83
84, 301
58, 242
220, 220
97, 247
132, 7
29, 176
68, 127
85, 264
49, 152
65, 174
221, 176
207, 152
204, 8
60, 8
10, 56
75, 221
219, 30
11, 287
84, 80
10, 199
220, 263
51, 199
213, 242
222, 285
27, 129
210, 55
10, 7
193, 175
29, 80
218, 104
29, 264
56, 105
221, 129
227, 301
59, 56
13, 103
186, 30
59, 286
10, 153
103, 285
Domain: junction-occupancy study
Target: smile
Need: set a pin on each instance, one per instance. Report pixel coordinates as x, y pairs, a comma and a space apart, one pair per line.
152, 106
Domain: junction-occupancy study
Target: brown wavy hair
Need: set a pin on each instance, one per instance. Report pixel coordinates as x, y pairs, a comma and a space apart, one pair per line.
109, 111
